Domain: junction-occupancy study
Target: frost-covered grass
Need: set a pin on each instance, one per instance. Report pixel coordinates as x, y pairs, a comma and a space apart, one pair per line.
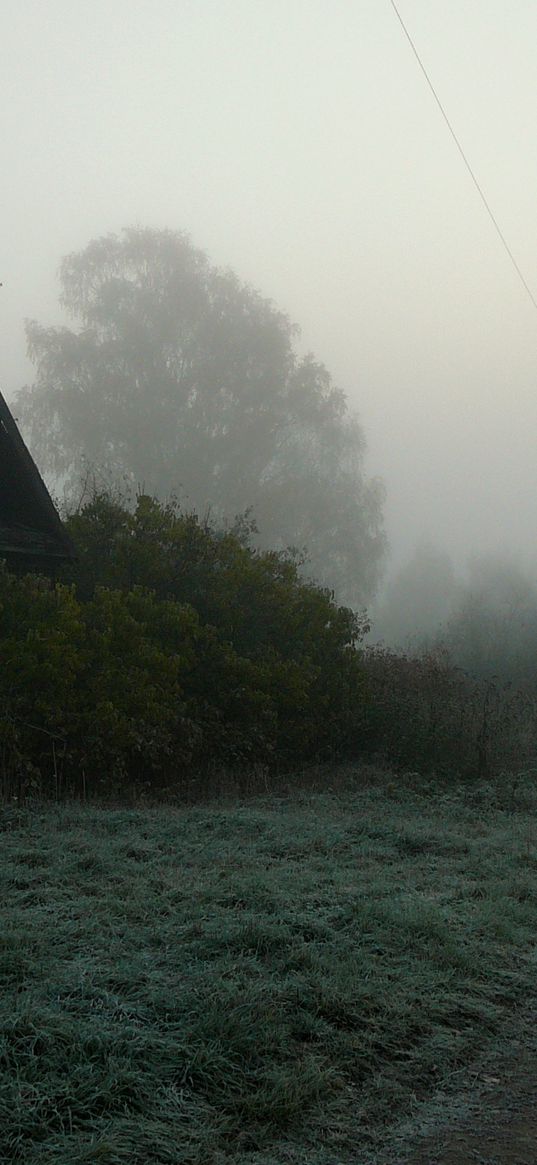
285, 980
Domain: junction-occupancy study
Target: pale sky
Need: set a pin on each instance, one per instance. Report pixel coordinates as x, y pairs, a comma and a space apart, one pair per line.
297, 142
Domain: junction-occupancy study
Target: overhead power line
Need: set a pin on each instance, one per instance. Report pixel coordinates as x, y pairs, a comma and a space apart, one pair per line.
477, 185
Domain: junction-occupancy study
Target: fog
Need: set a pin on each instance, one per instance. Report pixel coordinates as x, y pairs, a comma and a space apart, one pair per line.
298, 143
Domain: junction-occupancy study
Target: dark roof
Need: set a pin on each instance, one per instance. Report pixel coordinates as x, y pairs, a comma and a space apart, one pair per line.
30, 527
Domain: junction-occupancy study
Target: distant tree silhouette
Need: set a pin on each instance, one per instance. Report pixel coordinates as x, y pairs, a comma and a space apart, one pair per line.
186, 381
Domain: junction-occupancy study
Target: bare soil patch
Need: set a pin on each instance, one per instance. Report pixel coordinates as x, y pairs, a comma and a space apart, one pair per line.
503, 1128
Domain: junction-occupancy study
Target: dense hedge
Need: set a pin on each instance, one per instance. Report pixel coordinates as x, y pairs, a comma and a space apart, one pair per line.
429, 716
170, 651
169, 648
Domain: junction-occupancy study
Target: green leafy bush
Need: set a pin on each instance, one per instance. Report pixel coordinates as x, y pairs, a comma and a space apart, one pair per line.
304, 682
168, 649
41, 636
171, 651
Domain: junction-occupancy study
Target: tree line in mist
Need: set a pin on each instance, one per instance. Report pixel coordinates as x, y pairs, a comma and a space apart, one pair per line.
227, 536
486, 620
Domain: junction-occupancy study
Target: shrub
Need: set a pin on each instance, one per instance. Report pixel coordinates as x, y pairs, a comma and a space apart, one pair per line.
425, 714
169, 648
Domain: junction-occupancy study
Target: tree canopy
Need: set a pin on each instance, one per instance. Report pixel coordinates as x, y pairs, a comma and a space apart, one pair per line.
492, 631
418, 600
186, 382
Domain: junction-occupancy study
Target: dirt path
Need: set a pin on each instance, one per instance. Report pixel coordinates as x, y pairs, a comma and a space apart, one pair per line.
503, 1131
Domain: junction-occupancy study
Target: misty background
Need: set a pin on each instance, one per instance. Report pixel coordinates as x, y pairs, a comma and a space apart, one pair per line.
298, 144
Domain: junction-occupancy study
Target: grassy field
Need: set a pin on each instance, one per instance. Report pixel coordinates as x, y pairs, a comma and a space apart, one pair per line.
301, 979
